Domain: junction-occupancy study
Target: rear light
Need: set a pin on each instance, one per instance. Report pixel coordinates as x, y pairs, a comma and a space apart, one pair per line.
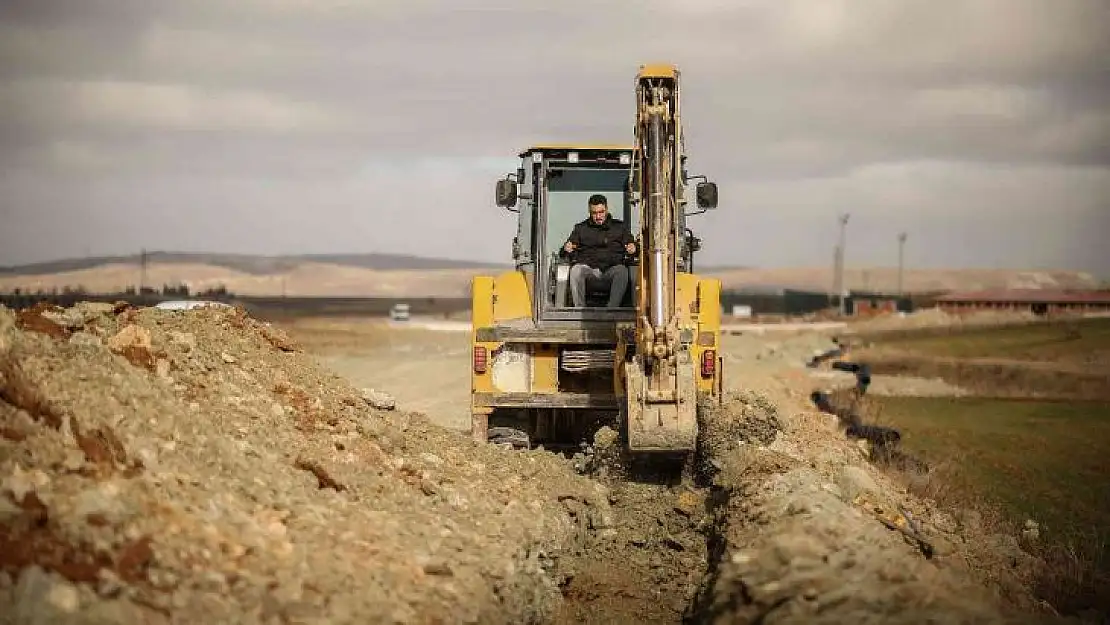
708, 363
480, 358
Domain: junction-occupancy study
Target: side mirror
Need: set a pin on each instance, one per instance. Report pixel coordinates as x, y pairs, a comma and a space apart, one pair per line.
505, 193
707, 195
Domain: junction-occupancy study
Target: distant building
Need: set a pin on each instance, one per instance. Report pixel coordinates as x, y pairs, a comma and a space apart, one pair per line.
867, 303
1036, 301
771, 300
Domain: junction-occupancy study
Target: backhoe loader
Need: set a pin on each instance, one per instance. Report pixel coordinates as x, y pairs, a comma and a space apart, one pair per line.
546, 372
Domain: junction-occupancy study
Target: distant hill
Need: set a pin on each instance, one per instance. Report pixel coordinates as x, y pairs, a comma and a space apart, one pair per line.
702, 268
251, 263
885, 279
396, 275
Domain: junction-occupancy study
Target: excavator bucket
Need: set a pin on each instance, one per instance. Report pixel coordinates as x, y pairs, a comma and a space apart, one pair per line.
662, 420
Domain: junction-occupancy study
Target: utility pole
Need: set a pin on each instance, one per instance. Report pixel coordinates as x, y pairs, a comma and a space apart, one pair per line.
142, 270
901, 262
843, 219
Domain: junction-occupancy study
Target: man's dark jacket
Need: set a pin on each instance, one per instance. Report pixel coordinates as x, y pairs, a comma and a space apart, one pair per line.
599, 245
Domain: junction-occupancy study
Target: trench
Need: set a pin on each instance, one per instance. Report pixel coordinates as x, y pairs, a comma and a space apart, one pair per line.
747, 533
657, 560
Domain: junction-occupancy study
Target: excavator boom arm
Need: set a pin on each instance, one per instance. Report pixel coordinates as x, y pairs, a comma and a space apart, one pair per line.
661, 394
658, 187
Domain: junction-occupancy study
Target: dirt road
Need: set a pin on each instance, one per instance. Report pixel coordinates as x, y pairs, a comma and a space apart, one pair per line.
423, 366
408, 359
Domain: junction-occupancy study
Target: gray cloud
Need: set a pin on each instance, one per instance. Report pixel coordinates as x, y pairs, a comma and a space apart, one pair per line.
981, 127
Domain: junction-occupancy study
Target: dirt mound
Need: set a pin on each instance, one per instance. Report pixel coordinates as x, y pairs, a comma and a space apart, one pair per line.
997, 377
938, 320
799, 553
779, 519
803, 530
743, 418
194, 467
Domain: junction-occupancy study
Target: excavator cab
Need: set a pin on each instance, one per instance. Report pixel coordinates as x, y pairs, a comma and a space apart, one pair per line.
547, 372
550, 191
569, 187
556, 183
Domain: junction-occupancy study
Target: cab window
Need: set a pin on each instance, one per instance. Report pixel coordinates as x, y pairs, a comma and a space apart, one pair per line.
569, 190
568, 194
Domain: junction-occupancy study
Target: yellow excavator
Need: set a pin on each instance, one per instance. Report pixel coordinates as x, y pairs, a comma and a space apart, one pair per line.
547, 372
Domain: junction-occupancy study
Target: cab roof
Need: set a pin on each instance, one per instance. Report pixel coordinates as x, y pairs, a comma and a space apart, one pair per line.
658, 70
576, 147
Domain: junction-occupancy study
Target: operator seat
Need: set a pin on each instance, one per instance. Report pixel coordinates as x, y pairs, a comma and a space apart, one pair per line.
597, 290
597, 287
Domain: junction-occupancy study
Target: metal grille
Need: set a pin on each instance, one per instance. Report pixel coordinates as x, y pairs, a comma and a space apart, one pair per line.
575, 360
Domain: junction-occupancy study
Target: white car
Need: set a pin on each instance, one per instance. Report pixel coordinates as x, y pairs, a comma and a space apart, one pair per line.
399, 312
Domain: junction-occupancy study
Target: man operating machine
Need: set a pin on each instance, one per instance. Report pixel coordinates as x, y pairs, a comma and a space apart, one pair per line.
609, 325
598, 247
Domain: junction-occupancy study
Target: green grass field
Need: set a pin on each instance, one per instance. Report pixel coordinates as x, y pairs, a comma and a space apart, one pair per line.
1045, 461
1005, 453
1073, 341
1048, 461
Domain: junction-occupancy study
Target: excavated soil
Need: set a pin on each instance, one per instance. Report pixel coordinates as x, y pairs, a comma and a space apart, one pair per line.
197, 467
169, 467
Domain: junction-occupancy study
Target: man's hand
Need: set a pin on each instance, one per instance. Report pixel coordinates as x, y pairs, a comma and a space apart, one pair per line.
569, 247
630, 248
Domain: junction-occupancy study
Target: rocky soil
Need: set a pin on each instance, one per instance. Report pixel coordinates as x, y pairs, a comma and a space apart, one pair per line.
170, 467
198, 467
808, 533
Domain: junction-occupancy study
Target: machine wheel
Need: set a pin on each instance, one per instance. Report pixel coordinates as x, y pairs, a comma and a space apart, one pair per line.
517, 439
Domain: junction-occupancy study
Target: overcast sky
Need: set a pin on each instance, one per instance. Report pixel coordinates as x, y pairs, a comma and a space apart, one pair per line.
980, 127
